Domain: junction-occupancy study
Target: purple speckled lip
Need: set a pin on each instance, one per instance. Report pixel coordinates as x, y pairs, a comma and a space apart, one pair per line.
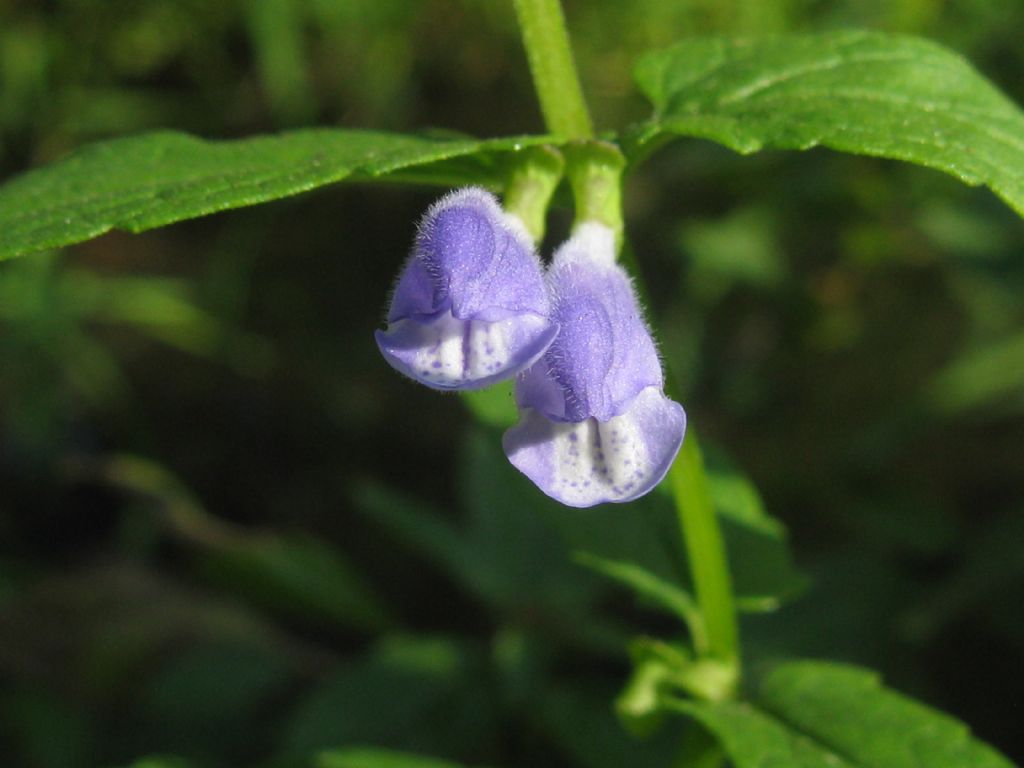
595, 424
470, 307
473, 306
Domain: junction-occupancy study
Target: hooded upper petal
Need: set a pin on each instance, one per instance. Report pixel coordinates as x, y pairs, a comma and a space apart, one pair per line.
595, 425
470, 306
603, 356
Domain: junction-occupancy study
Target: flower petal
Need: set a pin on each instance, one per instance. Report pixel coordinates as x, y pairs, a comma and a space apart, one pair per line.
604, 354
472, 258
590, 462
448, 353
470, 307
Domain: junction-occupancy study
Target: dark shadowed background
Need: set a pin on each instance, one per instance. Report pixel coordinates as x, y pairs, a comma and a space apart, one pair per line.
230, 533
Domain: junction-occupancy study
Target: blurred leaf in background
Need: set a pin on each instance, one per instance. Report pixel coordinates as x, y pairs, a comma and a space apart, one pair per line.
360, 573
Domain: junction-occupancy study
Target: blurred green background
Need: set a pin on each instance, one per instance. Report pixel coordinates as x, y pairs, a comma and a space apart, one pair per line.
230, 533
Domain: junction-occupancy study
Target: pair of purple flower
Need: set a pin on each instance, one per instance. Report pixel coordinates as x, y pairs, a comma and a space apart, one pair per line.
474, 306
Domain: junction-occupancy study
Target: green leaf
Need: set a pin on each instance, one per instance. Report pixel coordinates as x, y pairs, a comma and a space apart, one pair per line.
378, 758
861, 92
990, 575
494, 406
160, 761
987, 373
643, 533
753, 739
417, 693
816, 714
277, 31
296, 575
504, 552
148, 181
672, 598
735, 496
511, 550
528, 567
43, 729
738, 249
423, 528
579, 721
208, 697
763, 572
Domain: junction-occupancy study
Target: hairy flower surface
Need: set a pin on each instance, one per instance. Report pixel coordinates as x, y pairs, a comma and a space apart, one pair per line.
470, 307
595, 425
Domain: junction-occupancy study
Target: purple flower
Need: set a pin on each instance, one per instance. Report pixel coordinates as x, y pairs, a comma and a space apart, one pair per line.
470, 307
595, 425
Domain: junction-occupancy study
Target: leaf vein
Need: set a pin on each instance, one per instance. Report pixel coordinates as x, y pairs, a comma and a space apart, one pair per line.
835, 62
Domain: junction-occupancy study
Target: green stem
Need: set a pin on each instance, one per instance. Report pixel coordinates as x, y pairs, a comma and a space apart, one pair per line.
698, 749
706, 551
531, 180
595, 175
594, 169
542, 26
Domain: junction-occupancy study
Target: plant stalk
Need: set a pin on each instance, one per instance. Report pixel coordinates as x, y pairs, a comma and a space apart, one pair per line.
706, 551
542, 26
530, 182
596, 188
594, 170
